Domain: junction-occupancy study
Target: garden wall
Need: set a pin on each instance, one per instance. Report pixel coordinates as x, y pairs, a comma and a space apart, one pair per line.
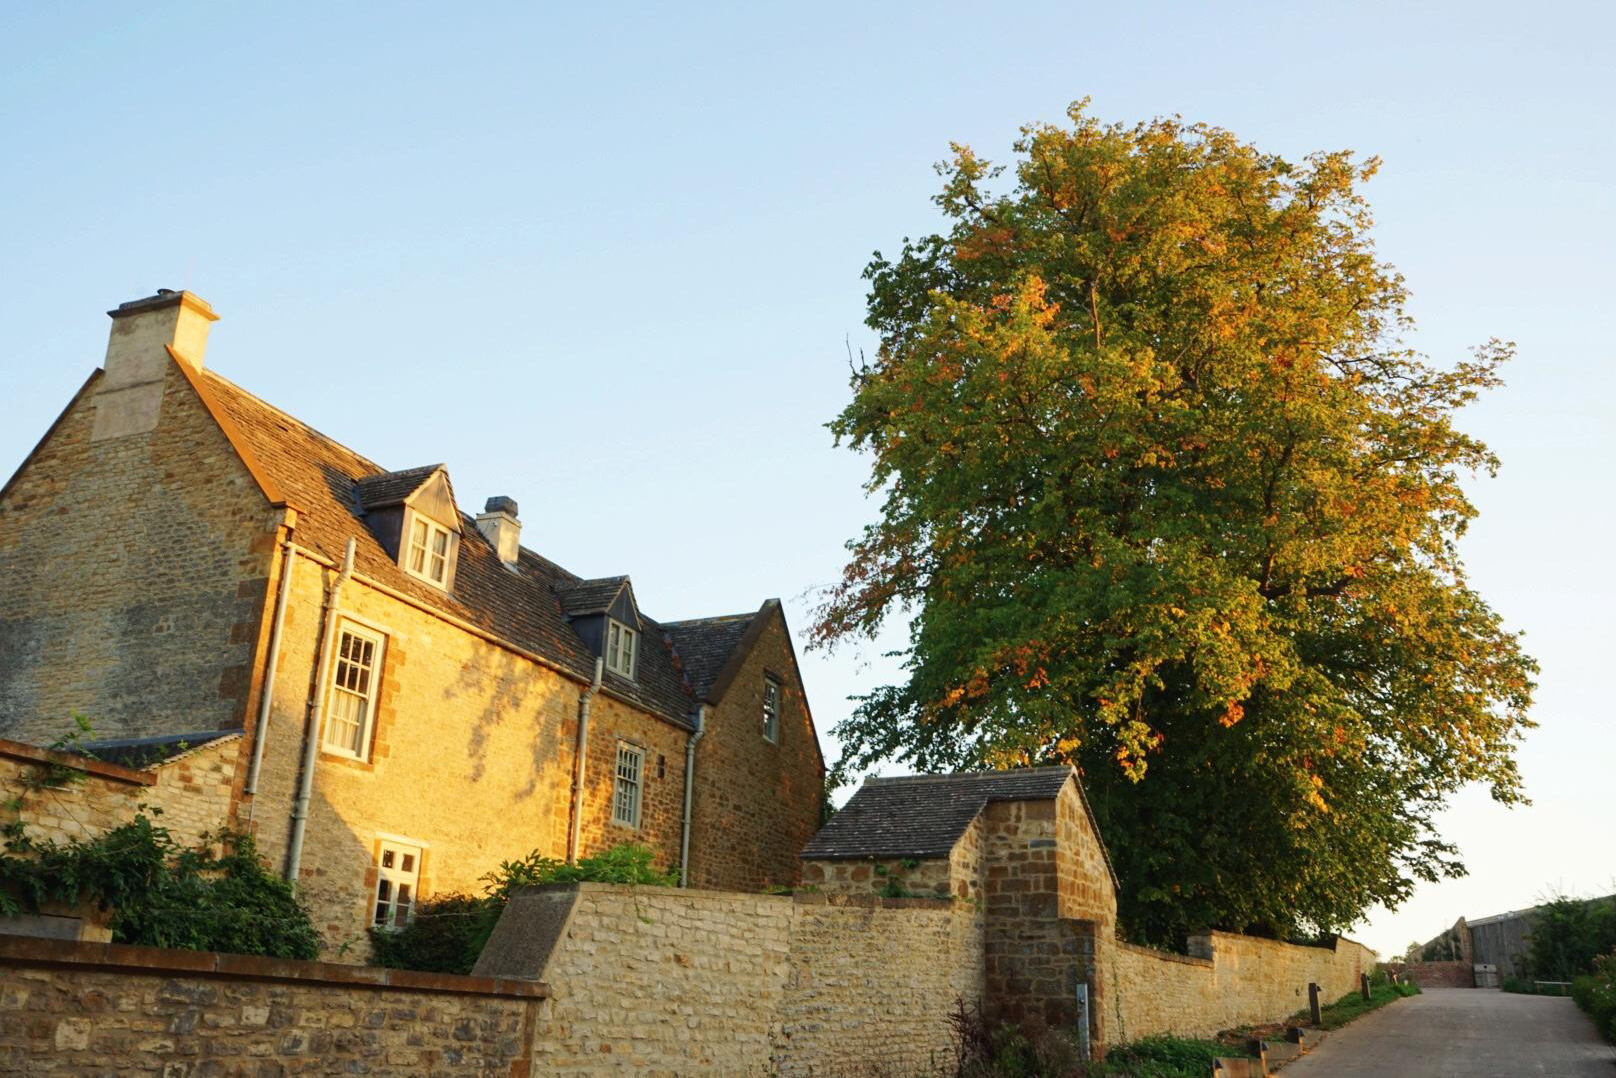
75, 1008
1435, 974
1227, 981
191, 790
715, 983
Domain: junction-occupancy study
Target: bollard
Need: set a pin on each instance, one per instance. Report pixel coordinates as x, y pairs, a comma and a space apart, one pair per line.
1313, 1004
1363, 985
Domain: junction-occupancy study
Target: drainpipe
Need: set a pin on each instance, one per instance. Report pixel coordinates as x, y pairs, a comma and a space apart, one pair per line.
580, 753
271, 661
690, 793
311, 730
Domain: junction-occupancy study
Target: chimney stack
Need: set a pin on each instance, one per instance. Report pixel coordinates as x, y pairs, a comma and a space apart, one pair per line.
500, 527
143, 330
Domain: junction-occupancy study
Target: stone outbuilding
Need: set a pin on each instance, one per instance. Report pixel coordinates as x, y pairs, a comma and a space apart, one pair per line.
1022, 845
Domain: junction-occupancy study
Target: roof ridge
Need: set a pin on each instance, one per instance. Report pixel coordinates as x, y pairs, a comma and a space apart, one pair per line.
747, 616
1042, 769
289, 417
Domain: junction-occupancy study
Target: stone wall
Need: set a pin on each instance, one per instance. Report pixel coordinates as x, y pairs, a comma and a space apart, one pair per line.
94, 1009
672, 982
1435, 974
1234, 981
466, 733
764, 797
135, 576
192, 791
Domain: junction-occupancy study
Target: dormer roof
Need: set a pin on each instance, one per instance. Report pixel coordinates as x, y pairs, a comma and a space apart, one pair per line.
592, 596
392, 488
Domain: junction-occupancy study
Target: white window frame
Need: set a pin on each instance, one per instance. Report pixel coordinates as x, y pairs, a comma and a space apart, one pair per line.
430, 531
343, 688
628, 785
773, 692
398, 884
622, 648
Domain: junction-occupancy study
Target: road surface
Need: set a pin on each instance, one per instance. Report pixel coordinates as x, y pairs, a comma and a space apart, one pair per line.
1464, 1033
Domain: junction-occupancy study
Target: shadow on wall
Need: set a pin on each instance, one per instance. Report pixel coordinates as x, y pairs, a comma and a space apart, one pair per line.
507, 687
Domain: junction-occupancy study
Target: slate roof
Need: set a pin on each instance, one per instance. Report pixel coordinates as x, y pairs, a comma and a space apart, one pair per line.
322, 478
146, 752
591, 596
704, 645
391, 488
924, 815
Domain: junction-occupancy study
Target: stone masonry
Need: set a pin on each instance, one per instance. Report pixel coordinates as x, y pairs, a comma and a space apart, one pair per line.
1036, 868
76, 1009
142, 549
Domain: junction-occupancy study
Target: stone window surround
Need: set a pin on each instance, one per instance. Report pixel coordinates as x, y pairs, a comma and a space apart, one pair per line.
367, 739
628, 751
396, 877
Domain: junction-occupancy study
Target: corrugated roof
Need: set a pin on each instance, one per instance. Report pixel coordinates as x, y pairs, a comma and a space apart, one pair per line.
147, 752
321, 478
924, 815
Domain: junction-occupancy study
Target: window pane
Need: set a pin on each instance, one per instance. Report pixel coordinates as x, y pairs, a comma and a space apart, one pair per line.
407, 864
440, 542
387, 862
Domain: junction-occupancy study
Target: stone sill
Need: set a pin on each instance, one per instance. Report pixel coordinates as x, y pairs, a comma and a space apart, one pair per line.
158, 961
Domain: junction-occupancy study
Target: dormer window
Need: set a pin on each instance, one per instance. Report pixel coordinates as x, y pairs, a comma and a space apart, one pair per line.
428, 554
621, 647
413, 515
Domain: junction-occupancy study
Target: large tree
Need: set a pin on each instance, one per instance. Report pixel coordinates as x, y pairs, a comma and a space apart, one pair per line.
1168, 495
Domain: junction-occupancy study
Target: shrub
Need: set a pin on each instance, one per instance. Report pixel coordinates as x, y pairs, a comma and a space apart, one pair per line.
1596, 993
1567, 934
217, 896
448, 933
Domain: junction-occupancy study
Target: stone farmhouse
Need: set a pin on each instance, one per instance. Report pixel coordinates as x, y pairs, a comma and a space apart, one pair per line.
267, 629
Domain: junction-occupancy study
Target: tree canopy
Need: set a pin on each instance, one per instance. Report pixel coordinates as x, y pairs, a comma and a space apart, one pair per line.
1168, 495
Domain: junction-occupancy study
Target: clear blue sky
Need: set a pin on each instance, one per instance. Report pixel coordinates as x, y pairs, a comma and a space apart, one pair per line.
608, 264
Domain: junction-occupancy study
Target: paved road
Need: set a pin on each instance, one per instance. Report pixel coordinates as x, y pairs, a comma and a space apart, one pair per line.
1464, 1033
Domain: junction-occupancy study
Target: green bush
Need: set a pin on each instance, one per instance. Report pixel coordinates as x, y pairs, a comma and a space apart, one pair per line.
1596, 993
1567, 934
217, 896
447, 933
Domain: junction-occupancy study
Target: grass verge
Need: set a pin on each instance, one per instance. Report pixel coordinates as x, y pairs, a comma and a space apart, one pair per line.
1353, 1005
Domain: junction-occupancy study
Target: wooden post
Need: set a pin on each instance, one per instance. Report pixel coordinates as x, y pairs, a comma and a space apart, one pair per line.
1363, 985
1313, 1004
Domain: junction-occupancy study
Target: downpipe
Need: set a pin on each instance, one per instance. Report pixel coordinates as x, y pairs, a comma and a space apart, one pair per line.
271, 661
311, 729
690, 793
579, 755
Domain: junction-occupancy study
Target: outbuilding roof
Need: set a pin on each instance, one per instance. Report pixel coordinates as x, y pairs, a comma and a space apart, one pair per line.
142, 753
924, 815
